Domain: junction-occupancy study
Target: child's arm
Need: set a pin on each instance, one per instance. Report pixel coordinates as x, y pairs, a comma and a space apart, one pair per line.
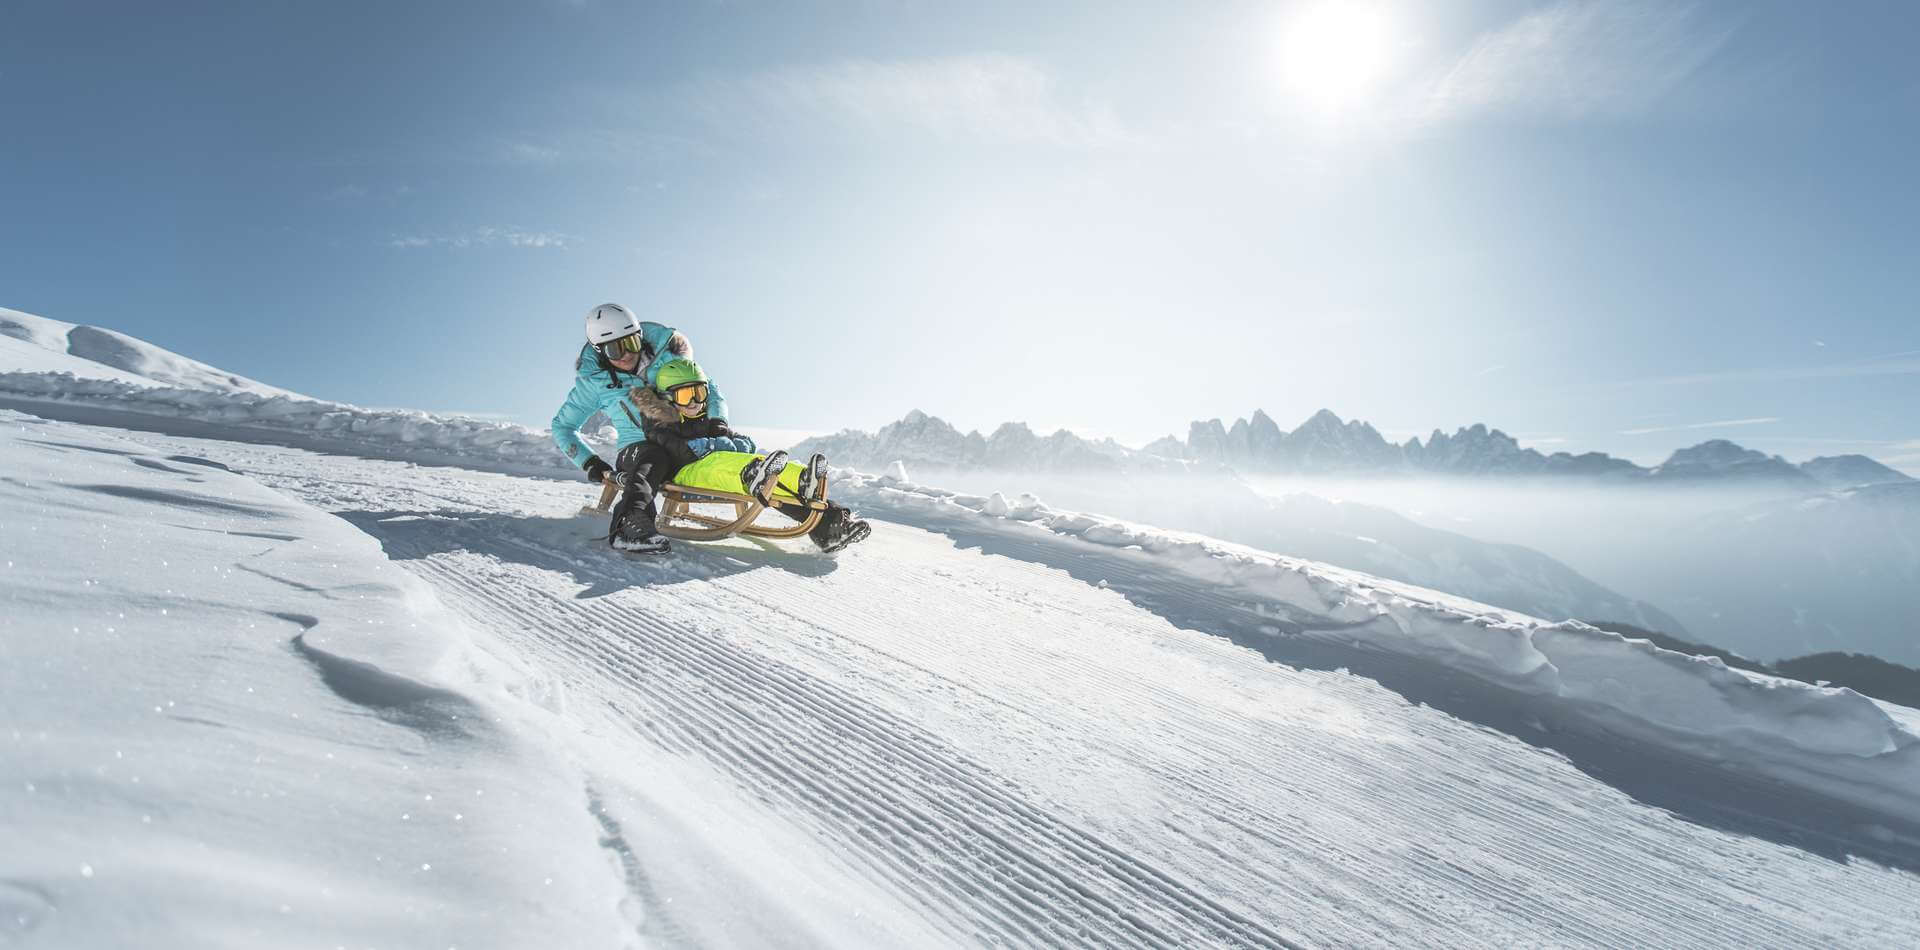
687, 441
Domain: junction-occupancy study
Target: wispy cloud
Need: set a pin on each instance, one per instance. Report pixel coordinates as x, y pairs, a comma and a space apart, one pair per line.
487, 237
1490, 370
983, 98
354, 191
527, 153
1896, 364
1578, 59
1725, 423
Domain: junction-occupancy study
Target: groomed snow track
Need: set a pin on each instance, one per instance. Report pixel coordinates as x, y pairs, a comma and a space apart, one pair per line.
922, 817
1019, 755
1229, 827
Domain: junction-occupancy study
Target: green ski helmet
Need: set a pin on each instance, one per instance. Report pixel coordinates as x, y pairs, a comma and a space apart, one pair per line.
685, 383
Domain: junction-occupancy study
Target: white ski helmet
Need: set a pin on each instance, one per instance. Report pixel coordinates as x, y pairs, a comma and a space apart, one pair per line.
609, 322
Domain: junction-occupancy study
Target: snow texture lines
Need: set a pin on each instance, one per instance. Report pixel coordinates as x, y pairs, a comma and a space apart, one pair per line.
923, 817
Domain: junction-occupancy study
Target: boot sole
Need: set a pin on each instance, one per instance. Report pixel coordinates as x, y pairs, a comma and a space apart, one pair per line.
853, 536
662, 548
813, 481
768, 477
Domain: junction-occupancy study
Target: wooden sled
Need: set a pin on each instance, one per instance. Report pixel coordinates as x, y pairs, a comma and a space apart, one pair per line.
677, 519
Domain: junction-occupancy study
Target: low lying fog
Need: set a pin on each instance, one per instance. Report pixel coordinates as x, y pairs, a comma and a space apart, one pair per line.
1754, 570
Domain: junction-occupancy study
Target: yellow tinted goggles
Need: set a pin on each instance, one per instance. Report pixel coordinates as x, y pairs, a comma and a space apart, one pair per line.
621, 348
689, 394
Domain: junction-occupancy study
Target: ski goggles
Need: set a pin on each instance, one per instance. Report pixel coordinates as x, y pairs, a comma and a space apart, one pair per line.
622, 348
690, 394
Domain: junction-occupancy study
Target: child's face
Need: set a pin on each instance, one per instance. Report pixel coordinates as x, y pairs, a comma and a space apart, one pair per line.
691, 400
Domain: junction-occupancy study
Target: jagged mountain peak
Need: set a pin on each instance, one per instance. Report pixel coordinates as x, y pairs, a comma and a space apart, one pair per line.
1324, 444
919, 439
1323, 419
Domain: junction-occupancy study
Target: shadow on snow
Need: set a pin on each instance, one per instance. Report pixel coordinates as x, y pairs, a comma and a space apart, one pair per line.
576, 547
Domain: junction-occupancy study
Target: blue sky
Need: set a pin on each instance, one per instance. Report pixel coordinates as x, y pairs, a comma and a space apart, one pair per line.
1617, 226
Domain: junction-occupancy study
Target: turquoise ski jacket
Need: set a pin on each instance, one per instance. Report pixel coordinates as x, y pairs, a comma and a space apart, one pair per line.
598, 388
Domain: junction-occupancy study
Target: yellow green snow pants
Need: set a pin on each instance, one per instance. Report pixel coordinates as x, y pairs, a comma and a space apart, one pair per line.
720, 471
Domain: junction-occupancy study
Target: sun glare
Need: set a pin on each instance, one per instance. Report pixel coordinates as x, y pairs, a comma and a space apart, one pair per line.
1333, 53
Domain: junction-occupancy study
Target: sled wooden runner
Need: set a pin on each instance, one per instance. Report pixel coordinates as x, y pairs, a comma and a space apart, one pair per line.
677, 519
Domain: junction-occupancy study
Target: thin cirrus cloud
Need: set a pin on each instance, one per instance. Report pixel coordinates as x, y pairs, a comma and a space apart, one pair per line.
487, 237
1724, 423
1892, 364
992, 99
1577, 59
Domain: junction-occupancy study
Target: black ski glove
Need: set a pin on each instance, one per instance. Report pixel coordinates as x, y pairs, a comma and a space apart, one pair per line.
597, 470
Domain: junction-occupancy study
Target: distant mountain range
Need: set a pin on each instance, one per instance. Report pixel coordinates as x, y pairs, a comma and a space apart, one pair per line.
1325, 445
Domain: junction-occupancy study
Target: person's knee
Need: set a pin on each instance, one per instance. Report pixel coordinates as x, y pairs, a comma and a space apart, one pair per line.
638, 456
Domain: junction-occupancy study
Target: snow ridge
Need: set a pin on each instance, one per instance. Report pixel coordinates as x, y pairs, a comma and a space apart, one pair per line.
1831, 741
100, 353
404, 432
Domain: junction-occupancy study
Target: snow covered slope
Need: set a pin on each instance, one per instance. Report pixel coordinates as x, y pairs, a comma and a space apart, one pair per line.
104, 376
36, 344
998, 723
30, 344
294, 421
226, 719
437, 711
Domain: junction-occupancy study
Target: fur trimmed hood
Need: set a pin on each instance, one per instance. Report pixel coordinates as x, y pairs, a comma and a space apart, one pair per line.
654, 407
677, 345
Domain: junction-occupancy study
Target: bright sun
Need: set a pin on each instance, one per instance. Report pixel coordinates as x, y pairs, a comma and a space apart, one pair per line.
1334, 52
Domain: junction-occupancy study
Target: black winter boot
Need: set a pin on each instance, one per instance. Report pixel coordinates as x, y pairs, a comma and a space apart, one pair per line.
633, 530
761, 476
839, 528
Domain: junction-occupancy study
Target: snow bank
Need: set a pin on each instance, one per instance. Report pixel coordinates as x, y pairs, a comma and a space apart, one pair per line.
396, 432
36, 347
226, 719
1834, 742
106, 354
